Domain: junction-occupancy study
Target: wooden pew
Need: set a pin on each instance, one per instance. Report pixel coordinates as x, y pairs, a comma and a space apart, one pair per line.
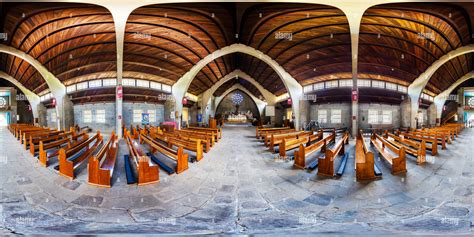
35, 138
17, 130
305, 151
190, 145
458, 126
326, 163
266, 135
216, 131
101, 165
73, 157
26, 131
259, 131
179, 156
46, 149
147, 172
291, 143
438, 134
412, 147
277, 139
431, 142
204, 140
398, 162
205, 143
196, 134
34, 143
364, 160
451, 132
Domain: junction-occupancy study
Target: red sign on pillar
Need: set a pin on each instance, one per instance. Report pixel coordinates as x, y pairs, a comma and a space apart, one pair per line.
185, 101
355, 95
53, 102
29, 107
289, 101
119, 92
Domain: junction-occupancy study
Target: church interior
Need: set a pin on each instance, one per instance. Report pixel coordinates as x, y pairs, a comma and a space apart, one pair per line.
236, 118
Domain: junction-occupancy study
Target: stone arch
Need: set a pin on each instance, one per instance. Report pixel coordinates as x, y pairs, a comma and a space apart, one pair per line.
56, 87
207, 95
33, 98
417, 86
295, 90
440, 99
259, 103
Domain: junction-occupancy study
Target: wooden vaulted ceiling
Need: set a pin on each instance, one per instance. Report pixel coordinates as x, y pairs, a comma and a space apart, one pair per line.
183, 34
76, 42
403, 40
71, 40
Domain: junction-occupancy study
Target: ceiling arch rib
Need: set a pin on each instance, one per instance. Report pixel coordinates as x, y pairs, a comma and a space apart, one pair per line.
48, 32
57, 35
32, 98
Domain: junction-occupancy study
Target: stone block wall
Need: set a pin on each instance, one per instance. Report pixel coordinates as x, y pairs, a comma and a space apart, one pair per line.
129, 107
110, 112
364, 114
346, 113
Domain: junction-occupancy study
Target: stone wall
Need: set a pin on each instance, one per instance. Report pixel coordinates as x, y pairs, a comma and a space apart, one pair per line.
129, 107
405, 113
364, 114
50, 113
42, 115
346, 113
110, 112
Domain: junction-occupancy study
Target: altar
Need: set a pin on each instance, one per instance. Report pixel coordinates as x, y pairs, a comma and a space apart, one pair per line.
239, 118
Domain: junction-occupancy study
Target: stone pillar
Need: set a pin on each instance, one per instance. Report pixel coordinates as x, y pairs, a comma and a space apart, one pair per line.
432, 114
42, 115
405, 113
13, 105
169, 108
304, 113
461, 114
68, 108
119, 108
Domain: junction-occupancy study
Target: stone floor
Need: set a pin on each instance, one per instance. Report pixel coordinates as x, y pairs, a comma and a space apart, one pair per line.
240, 189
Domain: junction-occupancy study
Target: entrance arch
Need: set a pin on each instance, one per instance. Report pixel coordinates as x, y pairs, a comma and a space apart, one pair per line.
295, 90
440, 99
30, 96
55, 86
270, 98
417, 86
